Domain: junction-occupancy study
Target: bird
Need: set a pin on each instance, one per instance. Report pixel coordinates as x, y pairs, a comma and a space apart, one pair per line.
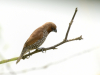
37, 38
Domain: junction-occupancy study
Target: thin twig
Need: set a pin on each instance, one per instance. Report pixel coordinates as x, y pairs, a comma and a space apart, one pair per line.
70, 24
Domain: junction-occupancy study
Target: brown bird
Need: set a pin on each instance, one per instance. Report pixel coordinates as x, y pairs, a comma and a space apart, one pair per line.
37, 38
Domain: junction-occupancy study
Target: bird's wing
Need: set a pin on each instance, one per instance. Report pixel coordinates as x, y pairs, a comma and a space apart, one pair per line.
35, 36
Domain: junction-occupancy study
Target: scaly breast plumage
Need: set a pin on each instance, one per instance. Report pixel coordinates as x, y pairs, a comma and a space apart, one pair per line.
39, 42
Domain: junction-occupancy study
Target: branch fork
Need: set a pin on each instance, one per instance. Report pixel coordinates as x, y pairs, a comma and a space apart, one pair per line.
52, 47
64, 41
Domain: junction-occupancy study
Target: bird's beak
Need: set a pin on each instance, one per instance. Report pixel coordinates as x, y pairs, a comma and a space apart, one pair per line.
55, 30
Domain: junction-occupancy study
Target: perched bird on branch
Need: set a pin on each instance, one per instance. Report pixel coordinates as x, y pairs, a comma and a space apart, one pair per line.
37, 38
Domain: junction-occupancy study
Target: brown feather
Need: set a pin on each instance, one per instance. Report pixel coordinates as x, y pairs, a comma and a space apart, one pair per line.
37, 38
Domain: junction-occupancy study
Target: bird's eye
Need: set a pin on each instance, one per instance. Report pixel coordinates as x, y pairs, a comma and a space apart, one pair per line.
52, 28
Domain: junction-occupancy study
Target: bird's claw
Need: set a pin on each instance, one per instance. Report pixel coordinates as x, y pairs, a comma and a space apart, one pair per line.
41, 49
29, 55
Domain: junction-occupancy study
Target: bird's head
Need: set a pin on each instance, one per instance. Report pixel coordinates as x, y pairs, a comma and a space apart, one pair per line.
50, 26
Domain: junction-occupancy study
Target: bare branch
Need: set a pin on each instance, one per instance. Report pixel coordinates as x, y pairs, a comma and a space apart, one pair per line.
70, 24
8, 60
65, 40
52, 47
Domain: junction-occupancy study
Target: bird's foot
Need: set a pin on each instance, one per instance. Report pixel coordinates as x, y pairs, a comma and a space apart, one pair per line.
41, 49
29, 55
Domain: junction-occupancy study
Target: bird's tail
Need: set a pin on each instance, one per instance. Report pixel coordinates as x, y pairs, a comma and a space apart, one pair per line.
19, 58
21, 55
